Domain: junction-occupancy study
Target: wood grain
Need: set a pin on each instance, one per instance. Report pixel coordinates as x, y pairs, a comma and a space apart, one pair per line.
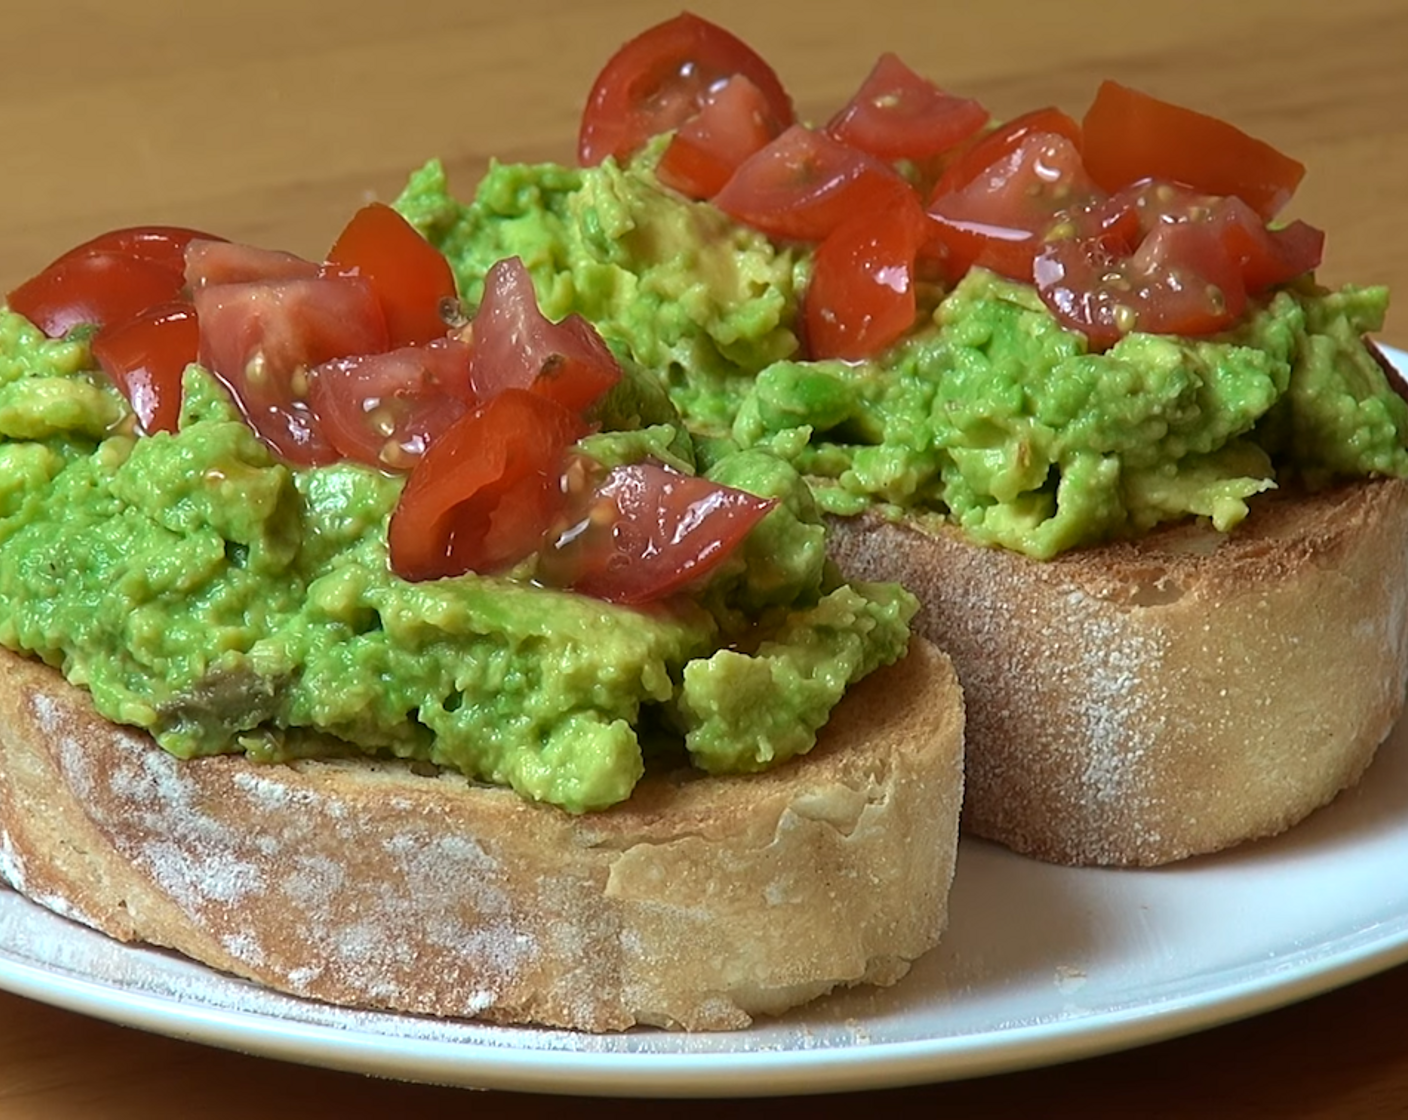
270, 121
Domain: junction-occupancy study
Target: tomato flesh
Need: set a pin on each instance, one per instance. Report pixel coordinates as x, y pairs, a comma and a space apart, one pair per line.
262, 338
661, 78
231, 262
1002, 218
411, 278
735, 122
145, 357
652, 530
897, 114
1131, 136
804, 184
861, 297
486, 492
93, 289
989, 149
386, 409
517, 346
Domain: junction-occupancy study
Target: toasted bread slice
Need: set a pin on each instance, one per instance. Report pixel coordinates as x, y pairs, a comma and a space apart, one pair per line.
1143, 701
698, 903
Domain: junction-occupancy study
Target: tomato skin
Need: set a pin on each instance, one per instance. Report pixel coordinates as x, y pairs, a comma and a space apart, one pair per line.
411, 278
145, 357
861, 296
1131, 136
386, 409
486, 491
261, 339
734, 123
161, 245
1004, 216
1181, 280
804, 184
232, 262
659, 531
897, 114
990, 148
516, 346
93, 289
660, 79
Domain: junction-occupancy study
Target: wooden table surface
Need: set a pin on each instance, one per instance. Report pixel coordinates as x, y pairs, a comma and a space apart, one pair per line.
271, 120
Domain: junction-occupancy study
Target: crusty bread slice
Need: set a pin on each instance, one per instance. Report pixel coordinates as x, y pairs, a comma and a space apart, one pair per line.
1140, 702
699, 903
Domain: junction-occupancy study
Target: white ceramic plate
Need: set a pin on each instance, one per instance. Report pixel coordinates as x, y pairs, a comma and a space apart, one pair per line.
1041, 964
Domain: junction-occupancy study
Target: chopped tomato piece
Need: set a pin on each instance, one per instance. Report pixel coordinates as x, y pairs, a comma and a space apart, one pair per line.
661, 78
652, 530
1131, 136
897, 114
386, 409
1003, 218
145, 356
1265, 256
231, 262
486, 492
411, 278
735, 122
805, 184
1181, 280
515, 345
261, 339
161, 245
861, 295
95, 288
991, 148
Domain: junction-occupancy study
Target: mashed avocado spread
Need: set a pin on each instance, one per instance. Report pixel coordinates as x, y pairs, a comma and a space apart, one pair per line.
988, 414
202, 589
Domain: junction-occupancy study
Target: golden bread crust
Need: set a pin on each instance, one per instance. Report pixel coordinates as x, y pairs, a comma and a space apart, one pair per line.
698, 903
1148, 700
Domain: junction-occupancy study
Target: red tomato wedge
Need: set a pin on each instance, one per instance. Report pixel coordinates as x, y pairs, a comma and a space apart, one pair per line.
1129, 136
661, 78
262, 338
665, 529
411, 278
861, 295
486, 492
897, 114
1181, 280
145, 356
990, 148
161, 245
386, 409
805, 184
1003, 218
735, 122
516, 346
95, 288
232, 262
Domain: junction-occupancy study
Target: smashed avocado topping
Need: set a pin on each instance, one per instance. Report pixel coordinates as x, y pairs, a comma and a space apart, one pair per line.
987, 414
208, 592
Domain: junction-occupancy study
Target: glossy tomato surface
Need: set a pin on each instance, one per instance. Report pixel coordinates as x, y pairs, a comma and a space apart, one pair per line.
517, 346
663, 530
411, 278
262, 338
734, 123
93, 289
386, 409
486, 492
1129, 136
897, 114
145, 357
661, 78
